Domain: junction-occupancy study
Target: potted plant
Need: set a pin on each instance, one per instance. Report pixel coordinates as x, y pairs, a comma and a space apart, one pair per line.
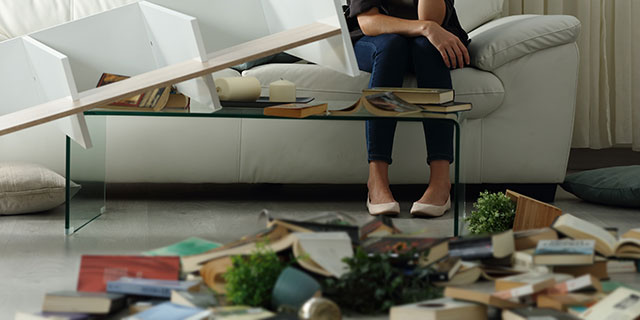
494, 212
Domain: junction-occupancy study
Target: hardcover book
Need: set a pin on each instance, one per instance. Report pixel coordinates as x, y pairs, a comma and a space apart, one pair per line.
536, 314
97, 270
486, 298
429, 250
189, 246
499, 245
149, 287
171, 311
622, 304
444, 308
564, 252
295, 110
82, 302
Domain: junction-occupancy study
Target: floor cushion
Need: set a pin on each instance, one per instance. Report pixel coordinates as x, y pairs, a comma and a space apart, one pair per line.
617, 186
27, 187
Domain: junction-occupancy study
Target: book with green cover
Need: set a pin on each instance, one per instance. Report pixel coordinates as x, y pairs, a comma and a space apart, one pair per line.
190, 246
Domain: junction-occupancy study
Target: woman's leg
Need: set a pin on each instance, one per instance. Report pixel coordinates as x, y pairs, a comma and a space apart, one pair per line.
386, 57
431, 72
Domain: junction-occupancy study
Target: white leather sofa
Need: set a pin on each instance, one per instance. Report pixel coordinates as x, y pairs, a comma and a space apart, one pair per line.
522, 85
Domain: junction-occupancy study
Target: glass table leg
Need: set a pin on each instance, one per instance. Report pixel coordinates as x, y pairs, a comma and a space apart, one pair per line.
86, 177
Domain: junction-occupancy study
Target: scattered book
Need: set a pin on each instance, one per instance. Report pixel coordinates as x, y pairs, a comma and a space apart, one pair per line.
149, 287
323, 252
240, 313
486, 298
275, 238
468, 273
295, 110
606, 244
82, 302
497, 245
97, 270
202, 298
212, 273
378, 227
564, 252
621, 266
516, 281
429, 250
583, 283
523, 261
171, 311
445, 269
598, 269
622, 304
527, 239
562, 302
448, 107
310, 226
536, 314
525, 290
444, 308
51, 316
189, 246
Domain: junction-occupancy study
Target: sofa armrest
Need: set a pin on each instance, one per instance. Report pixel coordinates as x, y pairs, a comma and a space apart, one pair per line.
506, 39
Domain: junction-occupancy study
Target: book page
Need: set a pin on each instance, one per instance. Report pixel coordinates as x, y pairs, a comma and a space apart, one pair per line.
327, 249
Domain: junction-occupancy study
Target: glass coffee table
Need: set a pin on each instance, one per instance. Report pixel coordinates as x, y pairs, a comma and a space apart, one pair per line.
86, 168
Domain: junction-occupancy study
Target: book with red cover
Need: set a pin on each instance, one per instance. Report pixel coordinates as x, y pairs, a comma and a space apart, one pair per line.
96, 270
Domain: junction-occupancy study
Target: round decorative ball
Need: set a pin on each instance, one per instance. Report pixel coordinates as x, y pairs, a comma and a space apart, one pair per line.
320, 309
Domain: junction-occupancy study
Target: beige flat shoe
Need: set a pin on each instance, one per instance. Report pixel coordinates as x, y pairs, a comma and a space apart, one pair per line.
388, 208
430, 210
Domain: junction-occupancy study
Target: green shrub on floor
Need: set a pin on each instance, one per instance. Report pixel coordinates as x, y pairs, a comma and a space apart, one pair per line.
251, 279
376, 283
494, 212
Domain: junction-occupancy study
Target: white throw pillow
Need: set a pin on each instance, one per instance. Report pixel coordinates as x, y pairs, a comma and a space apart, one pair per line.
26, 188
474, 13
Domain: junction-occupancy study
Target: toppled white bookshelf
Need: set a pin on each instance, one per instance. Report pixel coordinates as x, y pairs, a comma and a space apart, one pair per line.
51, 74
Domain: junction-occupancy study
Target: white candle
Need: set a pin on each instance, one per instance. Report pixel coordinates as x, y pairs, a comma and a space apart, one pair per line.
282, 91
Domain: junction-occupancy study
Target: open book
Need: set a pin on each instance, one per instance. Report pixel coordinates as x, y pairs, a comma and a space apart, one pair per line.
391, 104
627, 246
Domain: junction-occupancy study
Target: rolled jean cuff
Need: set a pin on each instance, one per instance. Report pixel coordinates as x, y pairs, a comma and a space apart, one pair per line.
439, 156
379, 157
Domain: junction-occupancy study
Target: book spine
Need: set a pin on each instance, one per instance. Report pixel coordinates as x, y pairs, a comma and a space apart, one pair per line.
468, 250
138, 289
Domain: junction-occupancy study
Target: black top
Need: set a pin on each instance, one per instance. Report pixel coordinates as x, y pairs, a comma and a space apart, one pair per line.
405, 9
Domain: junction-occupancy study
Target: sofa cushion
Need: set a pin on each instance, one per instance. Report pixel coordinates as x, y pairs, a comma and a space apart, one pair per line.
83, 8
18, 17
506, 39
474, 13
483, 89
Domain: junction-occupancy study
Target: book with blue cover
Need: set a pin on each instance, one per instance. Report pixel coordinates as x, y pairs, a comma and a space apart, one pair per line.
149, 287
171, 311
564, 252
189, 246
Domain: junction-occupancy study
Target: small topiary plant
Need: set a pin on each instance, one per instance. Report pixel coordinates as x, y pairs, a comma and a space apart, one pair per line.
494, 212
251, 279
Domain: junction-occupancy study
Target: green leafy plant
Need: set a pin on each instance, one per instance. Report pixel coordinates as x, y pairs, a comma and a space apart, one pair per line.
375, 283
494, 212
251, 279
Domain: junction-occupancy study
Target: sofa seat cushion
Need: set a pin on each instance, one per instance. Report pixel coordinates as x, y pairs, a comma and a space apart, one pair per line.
483, 89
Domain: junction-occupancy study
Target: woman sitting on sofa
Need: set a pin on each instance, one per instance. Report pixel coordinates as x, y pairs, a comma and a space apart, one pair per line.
390, 38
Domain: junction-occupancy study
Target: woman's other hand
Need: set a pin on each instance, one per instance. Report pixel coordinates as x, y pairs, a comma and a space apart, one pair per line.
454, 53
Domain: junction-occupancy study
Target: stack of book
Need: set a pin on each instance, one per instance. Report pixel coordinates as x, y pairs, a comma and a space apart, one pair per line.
413, 102
166, 99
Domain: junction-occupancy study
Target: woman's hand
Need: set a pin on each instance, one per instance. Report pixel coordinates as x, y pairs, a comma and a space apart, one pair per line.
454, 53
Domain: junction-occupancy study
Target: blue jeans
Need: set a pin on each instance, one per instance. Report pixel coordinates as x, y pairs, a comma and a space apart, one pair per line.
388, 57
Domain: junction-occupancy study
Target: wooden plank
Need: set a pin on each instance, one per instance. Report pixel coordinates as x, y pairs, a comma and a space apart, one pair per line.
531, 213
169, 75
